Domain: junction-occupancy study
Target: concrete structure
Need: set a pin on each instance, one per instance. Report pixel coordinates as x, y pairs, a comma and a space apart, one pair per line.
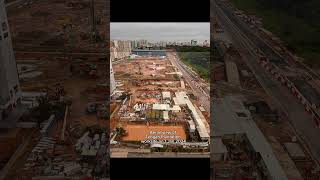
231, 119
182, 99
175, 108
192, 126
161, 107
112, 79
202, 130
165, 115
119, 49
166, 95
232, 73
10, 94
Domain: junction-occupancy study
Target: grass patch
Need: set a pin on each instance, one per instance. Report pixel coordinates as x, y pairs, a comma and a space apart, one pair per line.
295, 22
199, 61
197, 57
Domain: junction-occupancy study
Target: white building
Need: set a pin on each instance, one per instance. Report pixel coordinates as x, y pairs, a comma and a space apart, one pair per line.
165, 115
166, 95
134, 44
193, 42
206, 43
10, 94
182, 99
142, 43
119, 49
175, 108
192, 126
161, 107
112, 79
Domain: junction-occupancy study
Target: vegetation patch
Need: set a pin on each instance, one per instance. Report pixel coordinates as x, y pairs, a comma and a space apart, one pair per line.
296, 22
197, 57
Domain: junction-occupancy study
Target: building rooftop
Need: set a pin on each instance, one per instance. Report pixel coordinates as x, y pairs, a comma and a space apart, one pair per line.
166, 95
161, 107
175, 108
202, 130
180, 98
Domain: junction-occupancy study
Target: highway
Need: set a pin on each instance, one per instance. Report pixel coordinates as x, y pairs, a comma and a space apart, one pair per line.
247, 43
194, 81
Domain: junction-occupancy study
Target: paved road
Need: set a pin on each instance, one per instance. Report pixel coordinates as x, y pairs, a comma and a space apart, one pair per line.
300, 119
194, 82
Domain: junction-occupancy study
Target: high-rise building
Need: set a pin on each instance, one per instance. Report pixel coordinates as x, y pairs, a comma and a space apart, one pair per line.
119, 49
142, 43
10, 93
163, 44
206, 43
193, 42
134, 44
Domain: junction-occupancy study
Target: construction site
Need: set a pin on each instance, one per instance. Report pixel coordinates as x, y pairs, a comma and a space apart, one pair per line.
265, 103
61, 130
153, 108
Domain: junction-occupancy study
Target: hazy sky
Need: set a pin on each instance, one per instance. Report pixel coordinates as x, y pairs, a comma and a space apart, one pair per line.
160, 31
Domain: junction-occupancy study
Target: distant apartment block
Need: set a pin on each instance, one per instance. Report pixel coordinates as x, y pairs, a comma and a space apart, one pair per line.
193, 42
119, 49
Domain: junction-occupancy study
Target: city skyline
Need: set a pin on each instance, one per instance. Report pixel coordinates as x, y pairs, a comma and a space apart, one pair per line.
156, 32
